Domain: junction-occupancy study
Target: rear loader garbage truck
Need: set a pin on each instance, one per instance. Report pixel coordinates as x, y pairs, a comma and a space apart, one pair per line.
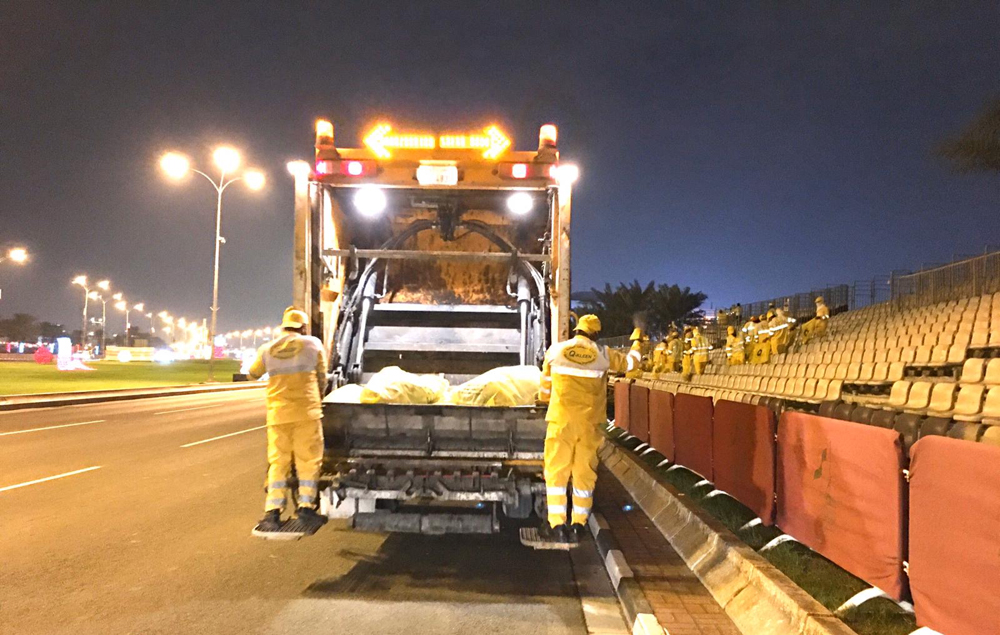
441, 253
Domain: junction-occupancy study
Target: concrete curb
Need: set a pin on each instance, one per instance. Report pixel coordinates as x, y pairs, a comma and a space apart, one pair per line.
757, 596
637, 609
49, 400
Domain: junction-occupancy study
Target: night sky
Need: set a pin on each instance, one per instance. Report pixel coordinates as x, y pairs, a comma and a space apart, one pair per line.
745, 149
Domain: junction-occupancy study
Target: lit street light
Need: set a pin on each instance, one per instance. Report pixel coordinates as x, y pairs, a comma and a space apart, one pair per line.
82, 281
227, 159
17, 255
94, 295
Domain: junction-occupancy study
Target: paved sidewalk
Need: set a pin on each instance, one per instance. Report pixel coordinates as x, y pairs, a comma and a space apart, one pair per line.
681, 604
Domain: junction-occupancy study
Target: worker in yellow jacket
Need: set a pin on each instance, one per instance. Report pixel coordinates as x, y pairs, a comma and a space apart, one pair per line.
699, 351
816, 327
574, 385
734, 347
638, 340
295, 365
659, 361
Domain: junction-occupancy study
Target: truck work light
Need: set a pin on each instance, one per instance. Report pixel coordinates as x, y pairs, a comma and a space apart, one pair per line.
370, 200
520, 203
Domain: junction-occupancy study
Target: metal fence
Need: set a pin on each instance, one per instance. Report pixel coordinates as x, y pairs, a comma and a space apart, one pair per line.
839, 297
966, 278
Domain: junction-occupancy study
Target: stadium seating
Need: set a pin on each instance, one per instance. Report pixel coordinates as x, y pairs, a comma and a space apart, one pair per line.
930, 370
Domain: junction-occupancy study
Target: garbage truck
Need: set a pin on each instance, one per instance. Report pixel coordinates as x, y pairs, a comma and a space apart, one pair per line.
440, 252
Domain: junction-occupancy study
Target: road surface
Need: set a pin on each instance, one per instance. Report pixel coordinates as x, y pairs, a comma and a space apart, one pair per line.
135, 517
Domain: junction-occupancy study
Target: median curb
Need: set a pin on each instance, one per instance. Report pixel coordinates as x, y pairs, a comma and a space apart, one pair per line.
50, 400
637, 608
758, 597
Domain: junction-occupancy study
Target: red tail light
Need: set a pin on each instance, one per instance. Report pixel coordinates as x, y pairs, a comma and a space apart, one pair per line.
350, 168
525, 171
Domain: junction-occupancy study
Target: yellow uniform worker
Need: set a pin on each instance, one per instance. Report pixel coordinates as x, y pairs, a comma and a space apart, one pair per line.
816, 327
734, 347
637, 337
687, 365
574, 384
660, 356
675, 351
781, 333
699, 351
295, 365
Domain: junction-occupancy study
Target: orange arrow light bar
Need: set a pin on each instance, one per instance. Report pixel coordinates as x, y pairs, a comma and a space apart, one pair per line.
492, 141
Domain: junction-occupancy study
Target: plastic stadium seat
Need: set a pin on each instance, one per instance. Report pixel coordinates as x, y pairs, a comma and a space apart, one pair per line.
919, 397
881, 372
881, 355
991, 435
809, 389
781, 385
906, 355
868, 356
896, 370
965, 431
862, 414
899, 394
853, 372
992, 374
991, 406
980, 339
883, 418
843, 410
969, 403
935, 426
908, 427
830, 372
826, 408
834, 389
942, 399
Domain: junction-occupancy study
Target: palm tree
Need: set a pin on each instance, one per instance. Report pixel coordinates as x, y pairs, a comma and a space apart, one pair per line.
977, 147
652, 307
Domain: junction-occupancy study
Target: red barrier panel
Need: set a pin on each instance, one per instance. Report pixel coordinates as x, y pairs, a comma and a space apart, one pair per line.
693, 433
621, 404
638, 412
841, 492
743, 451
954, 529
661, 422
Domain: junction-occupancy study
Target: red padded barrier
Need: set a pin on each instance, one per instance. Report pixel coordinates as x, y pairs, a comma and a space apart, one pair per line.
693, 433
661, 422
638, 412
743, 451
954, 529
841, 492
621, 404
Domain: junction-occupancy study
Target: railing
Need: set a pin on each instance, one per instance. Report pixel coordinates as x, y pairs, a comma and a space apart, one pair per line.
839, 297
966, 278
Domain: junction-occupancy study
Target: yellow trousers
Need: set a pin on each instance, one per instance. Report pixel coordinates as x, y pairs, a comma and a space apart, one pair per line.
815, 327
699, 365
302, 443
570, 452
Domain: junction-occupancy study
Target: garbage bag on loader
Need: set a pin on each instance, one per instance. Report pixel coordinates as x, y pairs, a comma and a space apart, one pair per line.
392, 384
348, 393
505, 386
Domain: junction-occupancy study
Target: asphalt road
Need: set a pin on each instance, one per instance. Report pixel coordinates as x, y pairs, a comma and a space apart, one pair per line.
135, 517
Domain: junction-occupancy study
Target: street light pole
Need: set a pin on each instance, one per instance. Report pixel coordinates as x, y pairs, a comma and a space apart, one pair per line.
227, 160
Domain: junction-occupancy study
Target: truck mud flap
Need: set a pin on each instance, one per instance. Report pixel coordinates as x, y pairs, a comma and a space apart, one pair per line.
428, 523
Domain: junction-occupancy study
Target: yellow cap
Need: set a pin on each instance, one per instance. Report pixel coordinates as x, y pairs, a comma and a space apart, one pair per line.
731, 330
770, 314
293, 318
636, 334
819, 299
590, 324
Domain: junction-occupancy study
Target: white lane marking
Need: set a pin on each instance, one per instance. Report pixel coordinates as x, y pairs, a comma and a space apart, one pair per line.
167, 412
224, 436
50, 478
65, 425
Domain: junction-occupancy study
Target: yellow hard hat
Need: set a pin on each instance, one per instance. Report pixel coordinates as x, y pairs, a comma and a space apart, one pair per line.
770, 314
819, 299
731, 330
636, 334
293, 318
590, 324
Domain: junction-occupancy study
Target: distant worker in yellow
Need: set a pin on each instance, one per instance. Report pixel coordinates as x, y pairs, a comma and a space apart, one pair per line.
781, 333
760, 349
734, 347
816, 327
659, 360
638, 338
699, 351
574, 384
687, 362
295, 365
675, 351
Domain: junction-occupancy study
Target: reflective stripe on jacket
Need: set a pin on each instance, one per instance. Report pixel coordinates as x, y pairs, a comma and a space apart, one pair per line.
296, 368
575, 380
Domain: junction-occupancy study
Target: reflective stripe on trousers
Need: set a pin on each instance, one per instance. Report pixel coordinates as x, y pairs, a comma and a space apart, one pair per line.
300, 443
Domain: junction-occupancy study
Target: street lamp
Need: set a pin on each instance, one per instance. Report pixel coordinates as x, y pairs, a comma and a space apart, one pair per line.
94, 295
18, 255
227, 159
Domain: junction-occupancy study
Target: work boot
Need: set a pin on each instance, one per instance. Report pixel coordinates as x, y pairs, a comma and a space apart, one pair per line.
577, 531
271, 522
548, 533
309, 520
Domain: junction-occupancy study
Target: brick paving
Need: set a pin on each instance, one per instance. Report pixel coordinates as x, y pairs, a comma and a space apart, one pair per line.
681, 604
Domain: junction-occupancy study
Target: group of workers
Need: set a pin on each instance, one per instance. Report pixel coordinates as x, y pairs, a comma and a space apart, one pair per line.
770, 334
573, 385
